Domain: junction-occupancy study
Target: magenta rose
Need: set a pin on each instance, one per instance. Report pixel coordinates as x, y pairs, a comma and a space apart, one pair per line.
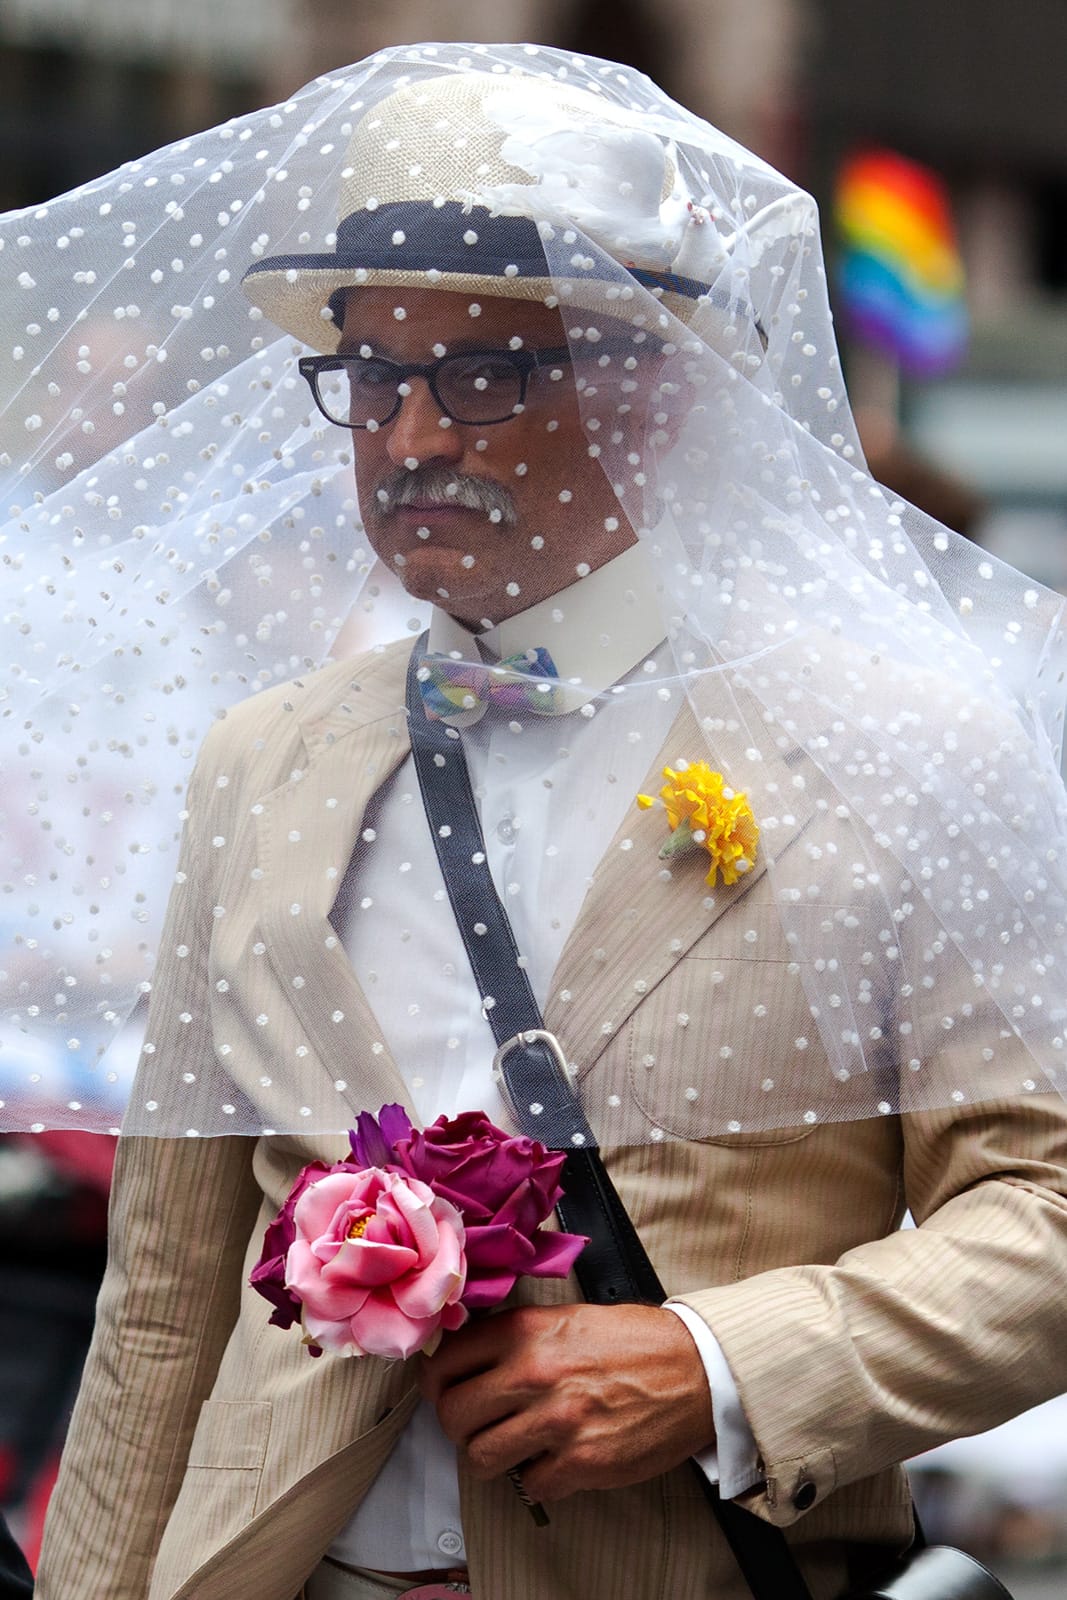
377, 1263
504, 1188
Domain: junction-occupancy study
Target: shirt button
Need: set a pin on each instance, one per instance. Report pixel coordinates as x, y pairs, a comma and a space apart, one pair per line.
450, 1543
805, 1495
505, 830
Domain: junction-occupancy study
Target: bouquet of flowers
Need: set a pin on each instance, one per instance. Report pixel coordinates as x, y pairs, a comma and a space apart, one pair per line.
381, 1254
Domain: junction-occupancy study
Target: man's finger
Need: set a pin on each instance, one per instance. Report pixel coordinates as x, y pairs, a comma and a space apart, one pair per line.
458, 1357
513, 1442
481, 1402
480, 1346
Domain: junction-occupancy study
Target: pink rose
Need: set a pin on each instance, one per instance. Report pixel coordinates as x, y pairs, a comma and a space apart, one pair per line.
505, 1187
377, 1263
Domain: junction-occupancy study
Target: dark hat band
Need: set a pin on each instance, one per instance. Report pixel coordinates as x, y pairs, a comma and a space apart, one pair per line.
420, 237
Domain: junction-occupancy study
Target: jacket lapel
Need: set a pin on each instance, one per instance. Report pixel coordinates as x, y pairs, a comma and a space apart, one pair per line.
307, 832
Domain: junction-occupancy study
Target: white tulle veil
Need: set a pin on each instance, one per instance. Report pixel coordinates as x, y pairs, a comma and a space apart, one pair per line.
179, 530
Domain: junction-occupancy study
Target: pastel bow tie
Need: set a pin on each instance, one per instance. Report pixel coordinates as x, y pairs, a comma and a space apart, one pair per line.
454, 689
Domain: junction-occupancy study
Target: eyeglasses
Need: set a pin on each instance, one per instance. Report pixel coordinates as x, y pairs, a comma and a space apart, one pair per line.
479, 386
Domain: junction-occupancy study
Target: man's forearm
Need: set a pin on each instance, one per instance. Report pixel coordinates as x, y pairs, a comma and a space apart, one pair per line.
917, 1337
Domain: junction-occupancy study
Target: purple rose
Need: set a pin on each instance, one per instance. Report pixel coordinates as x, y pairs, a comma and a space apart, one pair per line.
504, 1188
374, 1139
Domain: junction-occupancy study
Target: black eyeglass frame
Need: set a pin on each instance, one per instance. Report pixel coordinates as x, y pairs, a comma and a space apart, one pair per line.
525, 362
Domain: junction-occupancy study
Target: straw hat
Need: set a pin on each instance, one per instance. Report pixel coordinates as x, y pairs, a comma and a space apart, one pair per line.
429, 197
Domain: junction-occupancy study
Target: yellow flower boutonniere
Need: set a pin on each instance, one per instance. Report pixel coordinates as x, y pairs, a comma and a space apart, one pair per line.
703, 812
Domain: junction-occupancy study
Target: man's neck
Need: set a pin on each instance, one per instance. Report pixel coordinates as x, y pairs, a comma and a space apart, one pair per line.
595, 630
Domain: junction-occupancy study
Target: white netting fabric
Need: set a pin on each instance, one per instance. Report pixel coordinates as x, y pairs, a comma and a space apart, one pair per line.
183, 529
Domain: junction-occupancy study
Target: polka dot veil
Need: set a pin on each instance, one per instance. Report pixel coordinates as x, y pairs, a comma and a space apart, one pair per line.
254, 383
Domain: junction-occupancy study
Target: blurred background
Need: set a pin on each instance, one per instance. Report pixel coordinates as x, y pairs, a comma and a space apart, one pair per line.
933, 133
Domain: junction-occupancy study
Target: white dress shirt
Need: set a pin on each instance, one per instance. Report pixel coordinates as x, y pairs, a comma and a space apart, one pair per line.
393, 915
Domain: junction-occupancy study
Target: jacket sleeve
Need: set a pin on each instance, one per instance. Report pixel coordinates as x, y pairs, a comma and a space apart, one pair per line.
927, 1334
847, 1366
181, 1215
182, 1211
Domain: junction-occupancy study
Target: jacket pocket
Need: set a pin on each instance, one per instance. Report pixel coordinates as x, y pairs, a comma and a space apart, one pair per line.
231, 1435
724, 1048
217, 1499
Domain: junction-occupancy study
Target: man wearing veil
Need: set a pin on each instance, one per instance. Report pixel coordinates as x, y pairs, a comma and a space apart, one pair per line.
585, 376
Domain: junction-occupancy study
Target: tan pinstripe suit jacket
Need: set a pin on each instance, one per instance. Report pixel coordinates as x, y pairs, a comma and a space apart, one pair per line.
210, 1458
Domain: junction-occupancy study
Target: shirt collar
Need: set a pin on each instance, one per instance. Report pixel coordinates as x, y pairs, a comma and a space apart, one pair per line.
595, 630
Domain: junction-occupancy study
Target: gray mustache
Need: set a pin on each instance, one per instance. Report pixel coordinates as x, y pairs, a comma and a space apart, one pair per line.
440, 486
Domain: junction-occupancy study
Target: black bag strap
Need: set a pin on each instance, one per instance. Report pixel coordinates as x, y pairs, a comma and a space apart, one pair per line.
613, 1267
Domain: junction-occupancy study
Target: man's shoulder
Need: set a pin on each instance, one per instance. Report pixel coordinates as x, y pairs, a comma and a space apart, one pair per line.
269, 724
954, 700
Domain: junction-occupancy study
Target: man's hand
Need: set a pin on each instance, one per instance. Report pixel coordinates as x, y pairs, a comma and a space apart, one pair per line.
583, 1397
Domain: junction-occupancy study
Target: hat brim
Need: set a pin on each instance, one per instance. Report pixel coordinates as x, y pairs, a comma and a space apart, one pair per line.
297, 297
419, 246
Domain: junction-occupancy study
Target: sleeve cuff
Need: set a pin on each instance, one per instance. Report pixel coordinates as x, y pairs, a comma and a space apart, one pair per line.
733, 1460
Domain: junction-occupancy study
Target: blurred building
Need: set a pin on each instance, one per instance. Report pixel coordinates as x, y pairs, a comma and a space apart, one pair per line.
85, 84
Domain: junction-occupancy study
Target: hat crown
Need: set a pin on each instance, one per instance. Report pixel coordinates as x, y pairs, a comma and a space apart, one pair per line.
450, 138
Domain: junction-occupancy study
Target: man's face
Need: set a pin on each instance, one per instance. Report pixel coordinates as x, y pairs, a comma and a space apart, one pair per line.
539, 511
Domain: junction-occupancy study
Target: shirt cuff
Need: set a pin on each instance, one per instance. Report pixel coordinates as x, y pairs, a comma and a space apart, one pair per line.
733, 1460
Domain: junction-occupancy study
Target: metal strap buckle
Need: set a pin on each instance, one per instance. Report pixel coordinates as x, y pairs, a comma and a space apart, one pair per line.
555, 1050
534, 1036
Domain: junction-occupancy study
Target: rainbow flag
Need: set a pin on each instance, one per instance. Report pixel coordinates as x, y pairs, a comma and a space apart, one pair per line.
900, 278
